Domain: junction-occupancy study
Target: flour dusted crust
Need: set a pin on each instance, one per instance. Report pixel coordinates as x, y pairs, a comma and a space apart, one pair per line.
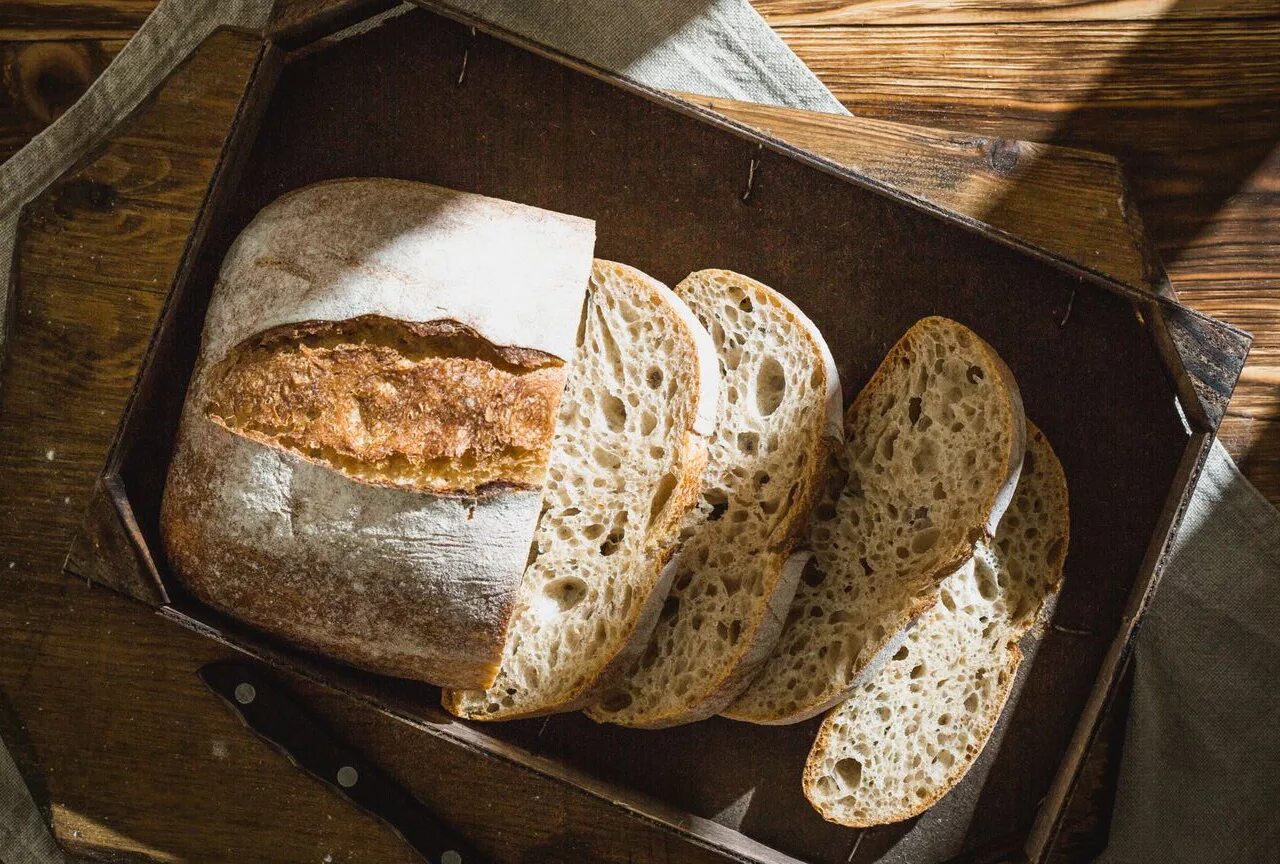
306, 496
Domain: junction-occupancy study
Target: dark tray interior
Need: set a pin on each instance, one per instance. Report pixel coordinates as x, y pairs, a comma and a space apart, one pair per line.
666, 191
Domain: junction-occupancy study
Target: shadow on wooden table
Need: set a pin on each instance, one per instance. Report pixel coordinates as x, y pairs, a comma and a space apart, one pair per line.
1185, 155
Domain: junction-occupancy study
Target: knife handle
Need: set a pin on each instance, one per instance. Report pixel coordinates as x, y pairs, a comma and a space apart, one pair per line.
267, 708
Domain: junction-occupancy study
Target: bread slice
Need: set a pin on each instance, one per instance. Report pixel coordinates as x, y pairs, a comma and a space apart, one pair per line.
778, 415
934, 445
626, 465
911, 733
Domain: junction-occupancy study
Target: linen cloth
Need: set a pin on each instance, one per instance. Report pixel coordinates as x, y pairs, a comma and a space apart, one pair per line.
1200, 777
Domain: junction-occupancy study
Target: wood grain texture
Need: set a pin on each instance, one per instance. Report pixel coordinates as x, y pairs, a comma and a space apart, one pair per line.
997, 181
25, 20
42, 79
81, 322
826, 13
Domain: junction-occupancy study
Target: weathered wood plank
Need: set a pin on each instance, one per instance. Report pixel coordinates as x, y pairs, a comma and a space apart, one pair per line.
1059, 79
71, 19
825, 13
42, 79
81, 322
997, 181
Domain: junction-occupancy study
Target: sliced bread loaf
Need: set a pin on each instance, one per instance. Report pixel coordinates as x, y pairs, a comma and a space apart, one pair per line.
911, 733
934, 443
626, 465
779, 414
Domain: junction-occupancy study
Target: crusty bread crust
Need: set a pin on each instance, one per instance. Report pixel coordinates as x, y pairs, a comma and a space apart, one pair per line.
356, 560
431, 407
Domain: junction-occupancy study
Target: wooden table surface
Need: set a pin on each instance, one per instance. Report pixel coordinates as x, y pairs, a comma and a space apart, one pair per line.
133, 761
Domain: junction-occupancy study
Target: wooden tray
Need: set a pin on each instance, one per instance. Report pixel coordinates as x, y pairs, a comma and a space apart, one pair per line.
1128, 386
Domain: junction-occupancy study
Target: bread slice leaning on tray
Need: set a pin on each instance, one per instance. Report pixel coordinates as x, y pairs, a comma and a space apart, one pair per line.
367, 429
627, 464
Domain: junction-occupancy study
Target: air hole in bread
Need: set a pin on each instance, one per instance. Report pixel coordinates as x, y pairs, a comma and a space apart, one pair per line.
886, 445
648, 422
812, 576
1055, 553
925, 540
748, 443
661, 496
607, 459
913, 409
615, 412
917, 671
974, 374
611, 543
669, 608
849, 772
986, 583
653, 377
566, 592
718, 502
615, 702
948, 600
901, 653
971, 703
771, 386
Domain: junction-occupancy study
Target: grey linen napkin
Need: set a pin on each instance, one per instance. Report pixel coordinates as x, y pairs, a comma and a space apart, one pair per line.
1199, 775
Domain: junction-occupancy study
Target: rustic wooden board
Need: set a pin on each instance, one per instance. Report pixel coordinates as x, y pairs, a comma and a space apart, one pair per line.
1000, 182
825, 13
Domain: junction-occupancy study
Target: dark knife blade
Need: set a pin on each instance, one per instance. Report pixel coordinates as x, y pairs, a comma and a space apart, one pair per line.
267, 708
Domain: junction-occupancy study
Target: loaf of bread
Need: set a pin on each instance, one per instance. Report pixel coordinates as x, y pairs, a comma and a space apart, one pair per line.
911, 732
367, 429
934, 443
626, 467
735, 575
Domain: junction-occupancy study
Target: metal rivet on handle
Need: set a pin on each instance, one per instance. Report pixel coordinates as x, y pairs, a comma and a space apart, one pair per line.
245, 693
451, 857
347, 776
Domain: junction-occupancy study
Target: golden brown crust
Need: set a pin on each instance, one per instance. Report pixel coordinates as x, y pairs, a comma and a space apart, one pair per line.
424, 406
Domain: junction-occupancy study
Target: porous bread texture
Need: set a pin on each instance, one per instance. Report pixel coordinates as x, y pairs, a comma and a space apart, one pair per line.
934, 444
734, 572
908, 735
626, 466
